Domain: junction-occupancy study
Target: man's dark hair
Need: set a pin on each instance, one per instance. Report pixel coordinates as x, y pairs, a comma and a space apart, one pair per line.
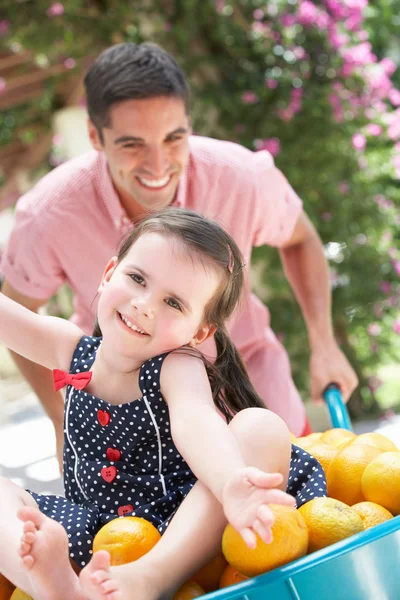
131, 72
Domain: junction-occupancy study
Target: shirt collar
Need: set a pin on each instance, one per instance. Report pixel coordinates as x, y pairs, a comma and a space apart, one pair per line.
182, 190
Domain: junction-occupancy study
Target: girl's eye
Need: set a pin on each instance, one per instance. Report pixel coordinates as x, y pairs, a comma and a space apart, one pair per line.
174, 304
138, 278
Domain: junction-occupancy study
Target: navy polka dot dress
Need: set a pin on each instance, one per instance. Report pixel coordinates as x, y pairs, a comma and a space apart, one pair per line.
120, 460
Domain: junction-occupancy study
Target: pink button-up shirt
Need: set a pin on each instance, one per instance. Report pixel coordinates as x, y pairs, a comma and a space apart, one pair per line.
70, 224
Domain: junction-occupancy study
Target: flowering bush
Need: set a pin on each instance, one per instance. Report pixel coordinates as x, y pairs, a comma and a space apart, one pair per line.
313, 83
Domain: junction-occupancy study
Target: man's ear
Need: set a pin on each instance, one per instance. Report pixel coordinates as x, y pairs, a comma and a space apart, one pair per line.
94, 136
202, 335
108, 271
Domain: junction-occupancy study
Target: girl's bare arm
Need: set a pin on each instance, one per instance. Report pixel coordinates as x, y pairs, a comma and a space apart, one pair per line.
48, 341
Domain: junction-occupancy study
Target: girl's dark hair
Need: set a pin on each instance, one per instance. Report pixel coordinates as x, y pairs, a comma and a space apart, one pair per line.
206, 241
131, 72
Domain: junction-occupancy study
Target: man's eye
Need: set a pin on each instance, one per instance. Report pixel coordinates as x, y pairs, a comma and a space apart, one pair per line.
174, 139
138, 278
174, 304
130, 146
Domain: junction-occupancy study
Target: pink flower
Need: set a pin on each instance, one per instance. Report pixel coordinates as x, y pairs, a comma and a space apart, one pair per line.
4, 26
55, 10
271, 144
388, 65
287, 20
396, 326
394, 97
307, 13
374, 329
396, 266
374, 383
385, 287
69, 63
220, 5
271, 84
167, 26
258, 14
326, 216
344, 187
373, 129
3, 85
249, 98
359, 141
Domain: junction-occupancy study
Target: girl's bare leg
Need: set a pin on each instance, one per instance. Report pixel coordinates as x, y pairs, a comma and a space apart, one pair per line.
47, 567
194, 535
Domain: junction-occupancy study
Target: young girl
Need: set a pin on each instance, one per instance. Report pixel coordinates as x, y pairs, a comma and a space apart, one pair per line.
151, 428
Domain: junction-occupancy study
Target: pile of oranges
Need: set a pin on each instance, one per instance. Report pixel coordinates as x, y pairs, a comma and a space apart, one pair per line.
363, 482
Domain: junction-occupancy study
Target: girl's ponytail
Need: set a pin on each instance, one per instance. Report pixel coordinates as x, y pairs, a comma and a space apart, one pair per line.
231, 387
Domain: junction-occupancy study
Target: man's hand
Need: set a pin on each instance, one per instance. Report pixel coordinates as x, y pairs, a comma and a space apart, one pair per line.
245, 502
328, 365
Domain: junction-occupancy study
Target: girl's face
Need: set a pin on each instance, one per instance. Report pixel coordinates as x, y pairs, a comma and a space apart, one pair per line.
154, 299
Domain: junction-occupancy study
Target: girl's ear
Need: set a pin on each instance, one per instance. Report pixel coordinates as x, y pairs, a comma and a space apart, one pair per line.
202, 335
108, 271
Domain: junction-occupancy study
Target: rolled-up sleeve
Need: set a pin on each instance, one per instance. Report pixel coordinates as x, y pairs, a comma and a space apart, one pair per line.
28, 261
277, 205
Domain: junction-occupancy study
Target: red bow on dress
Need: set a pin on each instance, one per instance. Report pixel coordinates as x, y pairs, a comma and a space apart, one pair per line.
78, 380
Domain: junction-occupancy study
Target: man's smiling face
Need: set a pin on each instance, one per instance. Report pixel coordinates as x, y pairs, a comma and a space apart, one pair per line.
147, 148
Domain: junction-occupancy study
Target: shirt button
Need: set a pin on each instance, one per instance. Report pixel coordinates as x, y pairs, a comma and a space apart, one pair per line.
113, 454
103, 417
124, 510
109, 474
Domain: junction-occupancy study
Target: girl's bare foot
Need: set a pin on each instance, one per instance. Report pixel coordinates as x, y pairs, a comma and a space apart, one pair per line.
134, 581
96, 579
44, 554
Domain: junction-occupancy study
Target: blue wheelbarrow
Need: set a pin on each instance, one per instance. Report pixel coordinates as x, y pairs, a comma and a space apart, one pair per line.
365, 566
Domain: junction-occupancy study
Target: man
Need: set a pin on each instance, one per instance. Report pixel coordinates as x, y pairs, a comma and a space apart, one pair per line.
144, 158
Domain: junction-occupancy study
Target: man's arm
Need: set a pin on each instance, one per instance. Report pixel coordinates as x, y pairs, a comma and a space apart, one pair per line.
39, 377
307, 271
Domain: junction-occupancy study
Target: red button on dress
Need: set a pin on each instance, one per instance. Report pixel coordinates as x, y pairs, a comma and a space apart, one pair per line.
109, 474
124, 510
113, 454
103, 417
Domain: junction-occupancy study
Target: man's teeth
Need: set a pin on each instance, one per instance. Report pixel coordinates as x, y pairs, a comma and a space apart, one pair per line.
155, 183
132, 326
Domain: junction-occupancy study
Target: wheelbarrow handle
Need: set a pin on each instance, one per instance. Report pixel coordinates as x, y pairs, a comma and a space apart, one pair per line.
337, 409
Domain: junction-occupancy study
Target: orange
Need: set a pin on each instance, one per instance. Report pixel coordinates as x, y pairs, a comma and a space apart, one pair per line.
381, 481
126, 539
231, 576
6, 588
290, 541
329, 521
307, 440
20, 595
208, 577
345, 472
189, 590
337, 436
372, 514
324, 454
377, 440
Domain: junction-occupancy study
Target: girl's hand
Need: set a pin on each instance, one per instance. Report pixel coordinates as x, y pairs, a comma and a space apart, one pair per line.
245, 502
